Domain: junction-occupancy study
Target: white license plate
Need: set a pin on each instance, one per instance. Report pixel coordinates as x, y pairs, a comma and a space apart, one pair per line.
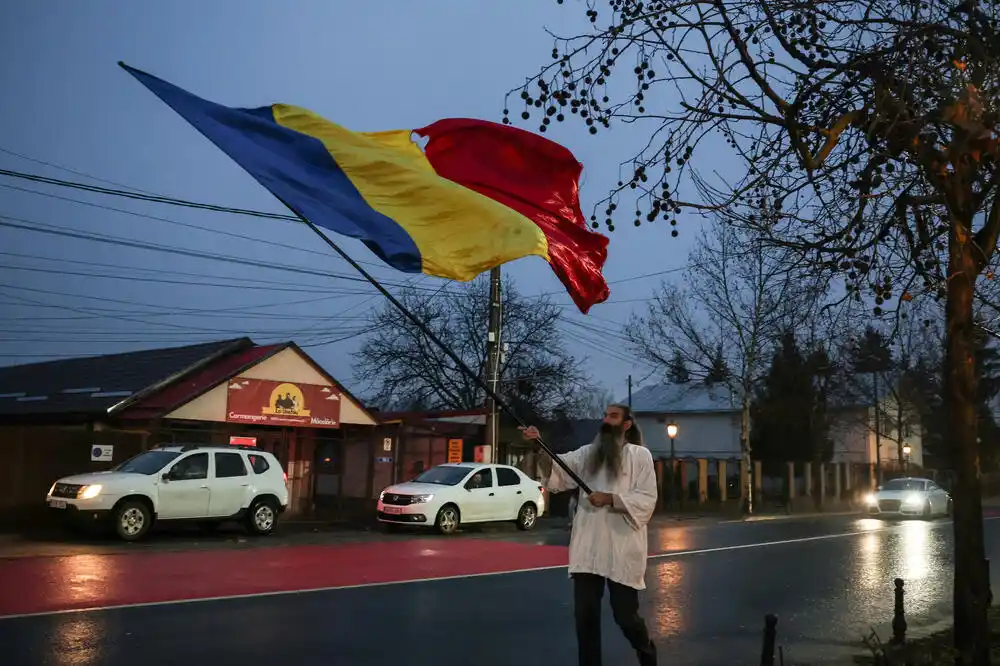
392, 509
57, 504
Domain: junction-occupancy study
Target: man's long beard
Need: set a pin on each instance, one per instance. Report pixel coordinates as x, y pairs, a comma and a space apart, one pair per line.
608, 452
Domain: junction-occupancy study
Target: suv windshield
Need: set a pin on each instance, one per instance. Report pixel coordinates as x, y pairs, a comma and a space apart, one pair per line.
147, 463
904, 484
444, 476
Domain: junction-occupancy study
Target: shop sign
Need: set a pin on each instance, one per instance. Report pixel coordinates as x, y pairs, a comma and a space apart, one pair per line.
242, 441
266, 402
454, 450
102, 453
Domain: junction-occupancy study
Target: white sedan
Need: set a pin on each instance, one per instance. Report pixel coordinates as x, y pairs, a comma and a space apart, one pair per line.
909, 496
448, 495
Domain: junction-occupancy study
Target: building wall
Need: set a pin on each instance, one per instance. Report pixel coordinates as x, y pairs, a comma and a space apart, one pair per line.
286, 365
853, 433
849, 433
712, 435
34, 457
717, 435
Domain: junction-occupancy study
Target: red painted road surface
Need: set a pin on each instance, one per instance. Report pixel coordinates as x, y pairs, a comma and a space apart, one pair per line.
40, 585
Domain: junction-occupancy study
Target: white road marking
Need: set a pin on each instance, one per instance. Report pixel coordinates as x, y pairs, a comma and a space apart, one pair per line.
259, 595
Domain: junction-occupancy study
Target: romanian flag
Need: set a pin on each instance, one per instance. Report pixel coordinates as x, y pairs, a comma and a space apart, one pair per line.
477, 195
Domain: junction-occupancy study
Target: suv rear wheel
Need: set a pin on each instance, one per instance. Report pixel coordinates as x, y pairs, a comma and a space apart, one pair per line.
132, 520
262, 517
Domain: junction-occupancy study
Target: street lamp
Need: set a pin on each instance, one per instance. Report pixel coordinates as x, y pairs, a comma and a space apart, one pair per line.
906, 457
672, 433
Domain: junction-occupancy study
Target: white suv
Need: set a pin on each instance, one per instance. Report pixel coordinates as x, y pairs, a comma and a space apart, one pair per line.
204, 484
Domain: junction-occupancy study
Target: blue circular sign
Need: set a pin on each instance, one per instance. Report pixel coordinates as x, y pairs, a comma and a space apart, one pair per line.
97, 452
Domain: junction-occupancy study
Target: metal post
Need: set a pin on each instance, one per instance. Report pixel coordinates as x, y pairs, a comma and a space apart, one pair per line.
898, 615
493, 365
630, 391
770, 636
673, 475
878, 429
989, 586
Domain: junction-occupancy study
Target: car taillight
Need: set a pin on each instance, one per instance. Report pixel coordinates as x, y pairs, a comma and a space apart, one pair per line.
285, 474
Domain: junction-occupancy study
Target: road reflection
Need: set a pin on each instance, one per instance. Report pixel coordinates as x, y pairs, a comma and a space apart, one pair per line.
669, 597
915, 550
77, 639
84, 579
670, 540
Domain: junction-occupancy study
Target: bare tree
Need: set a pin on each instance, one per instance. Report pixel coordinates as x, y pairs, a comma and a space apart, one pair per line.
870, 126
403, 369
721, 325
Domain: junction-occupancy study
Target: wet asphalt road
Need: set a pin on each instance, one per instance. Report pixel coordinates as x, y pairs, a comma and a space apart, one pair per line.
829, 580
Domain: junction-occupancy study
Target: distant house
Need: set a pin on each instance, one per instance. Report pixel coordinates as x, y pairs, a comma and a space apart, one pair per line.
708, 424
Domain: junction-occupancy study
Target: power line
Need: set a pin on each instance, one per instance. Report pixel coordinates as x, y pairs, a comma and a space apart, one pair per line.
321, 343
126, 318
154, 198
189, 225
72, 171
32, 226
225, 209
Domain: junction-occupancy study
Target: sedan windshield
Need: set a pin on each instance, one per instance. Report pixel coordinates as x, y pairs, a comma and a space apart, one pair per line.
147, 463
443, 476
904, 484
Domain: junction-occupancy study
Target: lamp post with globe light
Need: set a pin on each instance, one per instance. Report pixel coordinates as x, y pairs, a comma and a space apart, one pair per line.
906, 457
672, 434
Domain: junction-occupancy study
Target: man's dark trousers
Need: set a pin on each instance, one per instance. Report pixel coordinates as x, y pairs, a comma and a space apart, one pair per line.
588, 592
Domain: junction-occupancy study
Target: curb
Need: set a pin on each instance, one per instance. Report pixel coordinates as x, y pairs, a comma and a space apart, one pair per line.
791, 516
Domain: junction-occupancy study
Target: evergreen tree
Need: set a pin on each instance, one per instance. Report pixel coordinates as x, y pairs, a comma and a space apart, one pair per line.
677, 370
786, 417
718, 371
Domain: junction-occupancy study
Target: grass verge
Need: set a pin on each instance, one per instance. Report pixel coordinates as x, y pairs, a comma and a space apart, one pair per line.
934, 649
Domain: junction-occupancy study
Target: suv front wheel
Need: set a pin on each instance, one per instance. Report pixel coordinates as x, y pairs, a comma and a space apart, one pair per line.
262, 517
132, 520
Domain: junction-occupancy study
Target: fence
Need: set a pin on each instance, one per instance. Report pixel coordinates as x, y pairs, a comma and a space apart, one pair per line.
694, 482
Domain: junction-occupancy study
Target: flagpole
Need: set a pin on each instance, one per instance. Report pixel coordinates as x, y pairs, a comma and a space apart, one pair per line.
497, 400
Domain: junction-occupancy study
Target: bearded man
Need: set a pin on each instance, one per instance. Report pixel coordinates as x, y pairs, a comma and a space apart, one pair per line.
608, 543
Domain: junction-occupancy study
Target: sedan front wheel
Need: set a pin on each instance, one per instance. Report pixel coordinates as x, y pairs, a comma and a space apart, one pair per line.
448, 519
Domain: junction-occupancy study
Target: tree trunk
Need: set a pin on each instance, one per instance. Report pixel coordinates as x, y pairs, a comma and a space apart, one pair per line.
972, 633
745, 448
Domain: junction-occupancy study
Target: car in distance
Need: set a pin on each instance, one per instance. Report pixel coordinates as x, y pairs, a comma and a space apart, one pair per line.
453, 494
909, 496
208, 485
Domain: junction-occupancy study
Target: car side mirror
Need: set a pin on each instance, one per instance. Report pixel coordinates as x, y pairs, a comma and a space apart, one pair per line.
167, 477
878, 488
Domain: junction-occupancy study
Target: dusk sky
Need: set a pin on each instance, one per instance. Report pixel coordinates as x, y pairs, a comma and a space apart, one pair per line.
375, 65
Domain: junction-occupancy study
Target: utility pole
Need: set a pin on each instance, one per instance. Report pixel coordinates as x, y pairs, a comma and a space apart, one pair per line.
630, 391
493, 348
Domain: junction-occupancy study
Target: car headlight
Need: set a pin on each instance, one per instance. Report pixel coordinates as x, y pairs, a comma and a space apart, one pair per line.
871, 499
381, 496
913, 498
420, 499
53, 488
89, 492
